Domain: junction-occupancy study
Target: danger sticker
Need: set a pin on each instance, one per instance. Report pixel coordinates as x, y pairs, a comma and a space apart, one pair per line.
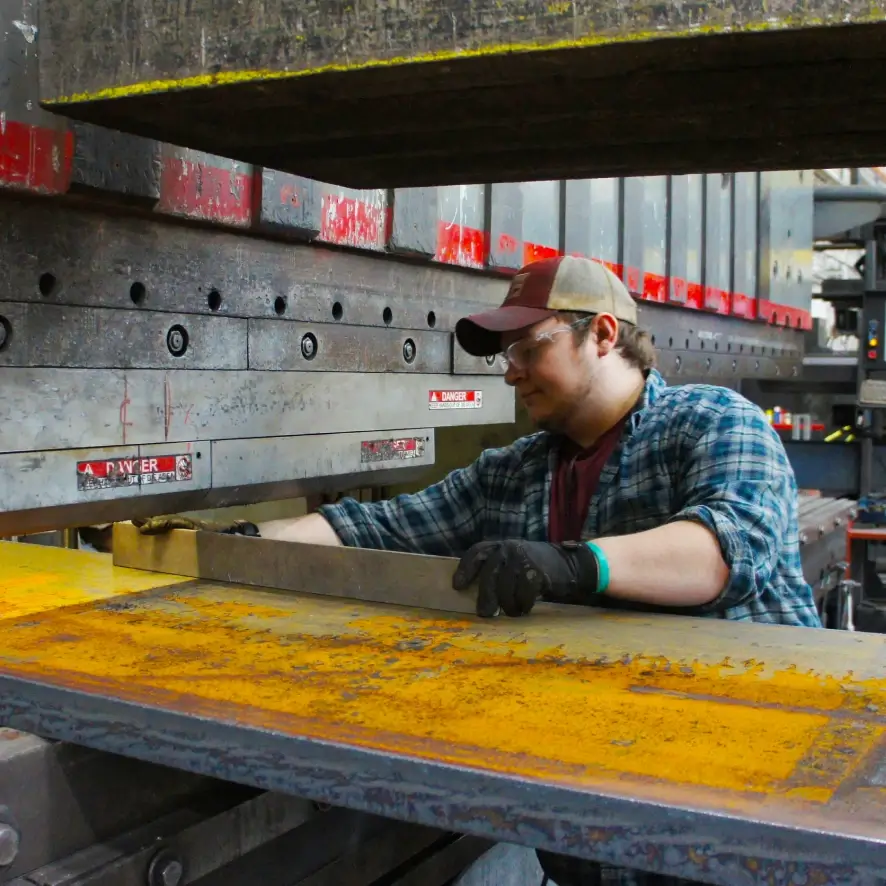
114, 473
455, 399
392, 450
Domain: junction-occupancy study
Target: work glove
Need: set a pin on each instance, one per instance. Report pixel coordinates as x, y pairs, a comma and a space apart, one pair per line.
159, 525
514, 574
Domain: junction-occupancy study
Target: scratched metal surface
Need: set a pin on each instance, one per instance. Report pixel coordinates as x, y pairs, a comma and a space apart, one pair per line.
721, 752
319, 88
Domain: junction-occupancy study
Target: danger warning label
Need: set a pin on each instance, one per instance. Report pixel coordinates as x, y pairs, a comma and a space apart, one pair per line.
117, 472
455, 399
392, 450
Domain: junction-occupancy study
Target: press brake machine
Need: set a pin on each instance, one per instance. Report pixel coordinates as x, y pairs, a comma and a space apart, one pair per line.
183, 330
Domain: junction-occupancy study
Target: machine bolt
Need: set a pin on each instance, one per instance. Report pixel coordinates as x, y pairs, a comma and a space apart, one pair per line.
165, 869
177, 340
308, 346
490, 361
9, 844
409, 350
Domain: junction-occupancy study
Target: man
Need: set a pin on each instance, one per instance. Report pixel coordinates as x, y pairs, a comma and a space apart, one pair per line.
632, 494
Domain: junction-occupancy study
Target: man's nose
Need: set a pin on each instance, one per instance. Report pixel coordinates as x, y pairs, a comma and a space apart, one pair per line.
513, 374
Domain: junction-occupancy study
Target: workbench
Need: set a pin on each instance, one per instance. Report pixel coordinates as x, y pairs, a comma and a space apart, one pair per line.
711, 750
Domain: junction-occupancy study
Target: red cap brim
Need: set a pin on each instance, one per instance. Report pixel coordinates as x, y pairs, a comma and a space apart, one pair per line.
480, 334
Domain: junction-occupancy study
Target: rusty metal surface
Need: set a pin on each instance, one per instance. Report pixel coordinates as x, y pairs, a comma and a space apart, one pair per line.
717, 751
424, 94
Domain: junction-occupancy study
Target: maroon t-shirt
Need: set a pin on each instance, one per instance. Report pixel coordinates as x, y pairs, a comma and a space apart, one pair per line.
575, 481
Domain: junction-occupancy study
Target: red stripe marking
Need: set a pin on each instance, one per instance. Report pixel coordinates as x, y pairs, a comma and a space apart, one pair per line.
537, 252
684, 293
345, 221
461, 245
655, 287
632, 278
35, 158
744, 306
716, 299
209, 193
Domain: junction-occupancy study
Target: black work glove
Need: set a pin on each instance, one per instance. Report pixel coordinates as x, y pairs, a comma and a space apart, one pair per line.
513, 574
159, 525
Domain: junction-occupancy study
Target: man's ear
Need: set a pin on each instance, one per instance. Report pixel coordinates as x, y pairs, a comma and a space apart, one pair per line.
605, 328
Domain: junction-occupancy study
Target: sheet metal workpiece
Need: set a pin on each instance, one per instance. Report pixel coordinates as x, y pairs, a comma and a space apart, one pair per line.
722, 752
433, 93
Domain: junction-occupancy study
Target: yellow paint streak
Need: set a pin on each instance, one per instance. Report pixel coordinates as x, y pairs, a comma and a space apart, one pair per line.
588, 41
37, 578
455, 690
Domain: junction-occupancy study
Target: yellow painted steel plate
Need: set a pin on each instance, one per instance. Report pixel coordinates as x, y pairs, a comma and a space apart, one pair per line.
559, 730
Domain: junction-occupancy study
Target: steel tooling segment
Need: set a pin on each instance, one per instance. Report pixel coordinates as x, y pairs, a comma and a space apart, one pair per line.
36, 150
686, 241
462, 235
592, 213
786, 212
718, 242
414, 222
744, 245
205, 187
719, 751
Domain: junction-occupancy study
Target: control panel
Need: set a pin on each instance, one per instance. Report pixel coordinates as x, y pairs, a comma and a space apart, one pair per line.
872, 330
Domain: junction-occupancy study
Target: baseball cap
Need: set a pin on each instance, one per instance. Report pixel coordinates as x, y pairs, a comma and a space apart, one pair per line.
540, 289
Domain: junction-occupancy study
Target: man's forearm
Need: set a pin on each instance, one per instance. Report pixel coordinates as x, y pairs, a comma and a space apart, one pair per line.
679, 564
312, 529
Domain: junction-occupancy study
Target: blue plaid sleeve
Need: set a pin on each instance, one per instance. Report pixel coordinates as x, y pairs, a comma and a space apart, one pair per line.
444, 519
734, 477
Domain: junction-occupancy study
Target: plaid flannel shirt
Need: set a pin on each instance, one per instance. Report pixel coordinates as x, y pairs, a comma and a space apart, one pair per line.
688, 452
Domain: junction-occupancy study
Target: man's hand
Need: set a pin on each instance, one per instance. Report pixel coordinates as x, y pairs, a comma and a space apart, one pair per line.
513, 574
159, 525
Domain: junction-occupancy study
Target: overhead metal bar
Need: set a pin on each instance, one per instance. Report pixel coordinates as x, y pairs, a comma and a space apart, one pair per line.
434, 93
707, 749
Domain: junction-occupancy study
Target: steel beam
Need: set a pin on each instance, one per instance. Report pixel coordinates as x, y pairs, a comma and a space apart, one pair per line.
425, 93
706, 749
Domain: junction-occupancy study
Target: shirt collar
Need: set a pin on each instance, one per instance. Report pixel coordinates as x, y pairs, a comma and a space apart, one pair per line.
655, 384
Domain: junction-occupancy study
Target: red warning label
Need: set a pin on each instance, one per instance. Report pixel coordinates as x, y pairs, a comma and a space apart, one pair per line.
455, 399
117, 472
392, 450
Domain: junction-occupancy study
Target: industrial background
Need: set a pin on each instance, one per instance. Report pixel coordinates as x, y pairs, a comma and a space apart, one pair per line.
182, 332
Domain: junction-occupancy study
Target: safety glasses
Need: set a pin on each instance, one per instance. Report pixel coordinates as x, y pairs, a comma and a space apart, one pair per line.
520, 354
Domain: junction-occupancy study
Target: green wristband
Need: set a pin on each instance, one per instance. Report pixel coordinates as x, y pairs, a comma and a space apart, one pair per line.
602, 567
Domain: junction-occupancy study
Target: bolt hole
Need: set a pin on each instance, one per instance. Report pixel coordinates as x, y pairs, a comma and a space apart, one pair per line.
670, 342
653, 341
337, 311
432, 319
5, 333
387, 315
47, 283
279, 305
214, 299
137, 293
